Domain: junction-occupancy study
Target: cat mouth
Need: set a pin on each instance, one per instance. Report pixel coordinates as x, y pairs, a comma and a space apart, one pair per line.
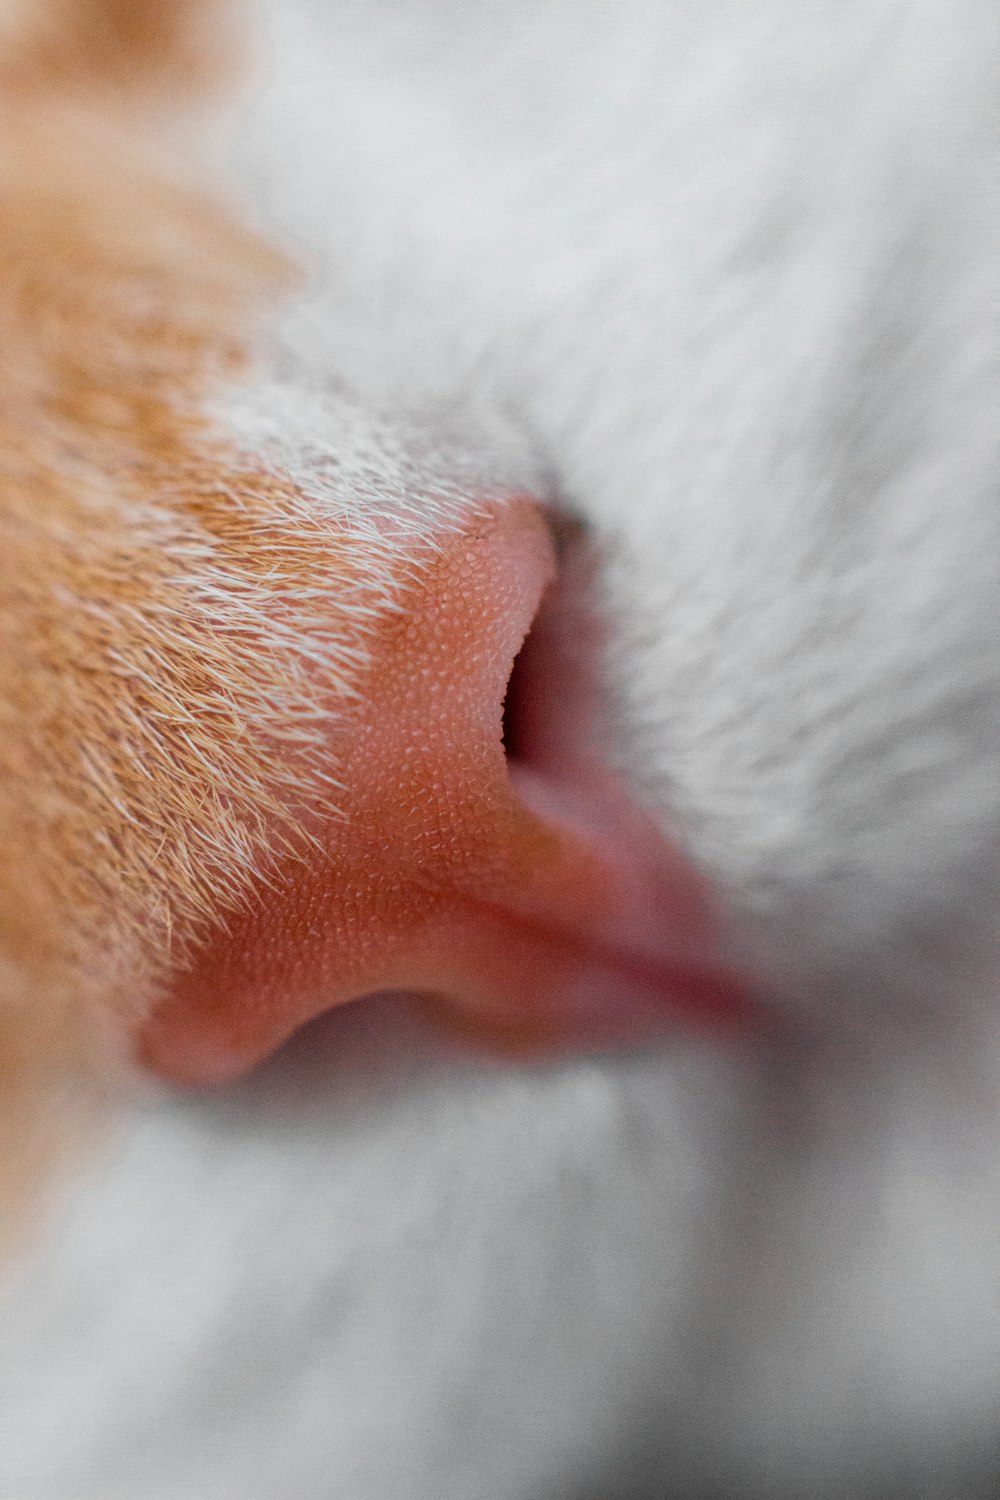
486, 854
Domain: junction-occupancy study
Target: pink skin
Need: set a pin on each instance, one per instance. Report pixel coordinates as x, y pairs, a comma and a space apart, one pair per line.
530, 901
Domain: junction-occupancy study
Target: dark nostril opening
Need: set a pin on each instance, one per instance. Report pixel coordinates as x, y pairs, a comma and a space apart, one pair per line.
553, 697
520, 707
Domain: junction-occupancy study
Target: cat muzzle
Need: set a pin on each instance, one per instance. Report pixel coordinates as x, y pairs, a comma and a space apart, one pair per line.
478, 849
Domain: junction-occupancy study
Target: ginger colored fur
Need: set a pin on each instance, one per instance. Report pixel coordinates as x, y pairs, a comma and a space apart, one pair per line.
161, 593
126, 45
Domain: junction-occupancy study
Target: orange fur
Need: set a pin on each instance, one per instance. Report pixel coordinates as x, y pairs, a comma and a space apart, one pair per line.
75, 46
161, 594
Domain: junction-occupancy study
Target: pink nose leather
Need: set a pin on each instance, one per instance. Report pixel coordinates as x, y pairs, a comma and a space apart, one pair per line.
441, 872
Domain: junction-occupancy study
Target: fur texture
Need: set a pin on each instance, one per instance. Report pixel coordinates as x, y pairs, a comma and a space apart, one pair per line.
172, 653
717, 276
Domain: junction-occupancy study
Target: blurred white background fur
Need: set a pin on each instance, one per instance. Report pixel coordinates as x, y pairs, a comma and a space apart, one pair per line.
725, 275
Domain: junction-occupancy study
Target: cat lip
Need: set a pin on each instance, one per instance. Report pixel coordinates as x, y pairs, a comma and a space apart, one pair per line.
541, 987
627, 951
485, 856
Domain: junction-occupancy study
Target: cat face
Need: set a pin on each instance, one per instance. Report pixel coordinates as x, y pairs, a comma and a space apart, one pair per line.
258, 641
748, 385
500, 500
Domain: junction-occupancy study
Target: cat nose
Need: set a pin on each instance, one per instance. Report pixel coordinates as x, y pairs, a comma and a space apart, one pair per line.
492, 865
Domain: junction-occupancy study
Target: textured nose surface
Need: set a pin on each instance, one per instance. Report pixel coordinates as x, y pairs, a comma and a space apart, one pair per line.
434, 873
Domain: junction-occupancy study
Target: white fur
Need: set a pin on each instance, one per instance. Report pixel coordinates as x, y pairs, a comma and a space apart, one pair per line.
721, 273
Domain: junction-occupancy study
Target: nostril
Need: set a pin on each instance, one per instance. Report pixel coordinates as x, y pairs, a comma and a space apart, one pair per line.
559, 728
556, 709
527, 698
